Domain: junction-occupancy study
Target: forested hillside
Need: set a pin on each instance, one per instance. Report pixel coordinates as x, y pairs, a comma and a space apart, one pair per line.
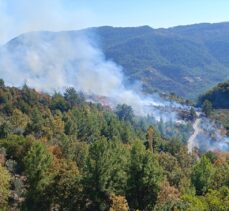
186, 60
62, 153
218, 96
216, 101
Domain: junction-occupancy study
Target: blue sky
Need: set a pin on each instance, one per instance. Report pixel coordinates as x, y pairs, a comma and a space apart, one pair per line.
19, 16
156, 13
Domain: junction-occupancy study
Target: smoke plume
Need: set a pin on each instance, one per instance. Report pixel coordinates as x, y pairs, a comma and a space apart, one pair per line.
49, 61
208, 136
53, 61
21, 16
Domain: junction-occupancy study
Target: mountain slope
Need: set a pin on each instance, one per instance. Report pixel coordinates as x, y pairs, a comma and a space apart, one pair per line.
218, 96
186, 60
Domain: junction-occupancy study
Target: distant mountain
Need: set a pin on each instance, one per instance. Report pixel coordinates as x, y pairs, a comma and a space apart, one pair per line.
186, 60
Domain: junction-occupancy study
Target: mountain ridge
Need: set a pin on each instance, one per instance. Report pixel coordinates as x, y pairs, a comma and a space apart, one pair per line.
186, 60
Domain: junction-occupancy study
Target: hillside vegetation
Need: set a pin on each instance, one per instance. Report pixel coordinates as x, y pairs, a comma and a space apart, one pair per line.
186, 60
62, 153
218, 96
218, 99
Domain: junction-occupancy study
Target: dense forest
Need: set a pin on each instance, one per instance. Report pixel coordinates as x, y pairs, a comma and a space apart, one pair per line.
218, 96
187, 60
216, 104
61, 152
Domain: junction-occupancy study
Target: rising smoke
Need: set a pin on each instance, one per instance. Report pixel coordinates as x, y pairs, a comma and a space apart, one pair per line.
51, 61
208, 135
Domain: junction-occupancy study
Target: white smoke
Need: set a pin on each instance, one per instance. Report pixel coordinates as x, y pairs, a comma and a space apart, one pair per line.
213, 136
51, 62
21, 16
208, 136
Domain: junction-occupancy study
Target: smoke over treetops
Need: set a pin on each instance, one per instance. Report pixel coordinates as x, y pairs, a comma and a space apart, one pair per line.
51, 62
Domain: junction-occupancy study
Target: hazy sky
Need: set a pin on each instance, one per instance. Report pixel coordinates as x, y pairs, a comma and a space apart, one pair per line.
18, 16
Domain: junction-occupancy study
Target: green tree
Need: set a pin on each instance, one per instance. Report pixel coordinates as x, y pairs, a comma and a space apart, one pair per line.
36, 124
218, 199
207, 107
59, 103
173, 146
152, 138
106, 172
72, 97
4, 187
70, 127
221, 176
37, 165
5, 129
145, 176
202, 175
171, 168
125, 112
76, 151
19, 121
65, 190
194, 203
29, 95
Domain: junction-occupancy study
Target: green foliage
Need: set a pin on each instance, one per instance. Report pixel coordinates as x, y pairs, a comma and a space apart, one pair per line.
16, 148
221, 176
194, 203
152, 138
171, 167
66, 188
145, 176
70, 127
105, 171
218, 199
66, 154
218, 96
173, 146
59, 103
202, 175
76, 151
221, 116
207, 107
4, 187
36, 124
5, 129
37, 163
72, 97
125, 112
172, 60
